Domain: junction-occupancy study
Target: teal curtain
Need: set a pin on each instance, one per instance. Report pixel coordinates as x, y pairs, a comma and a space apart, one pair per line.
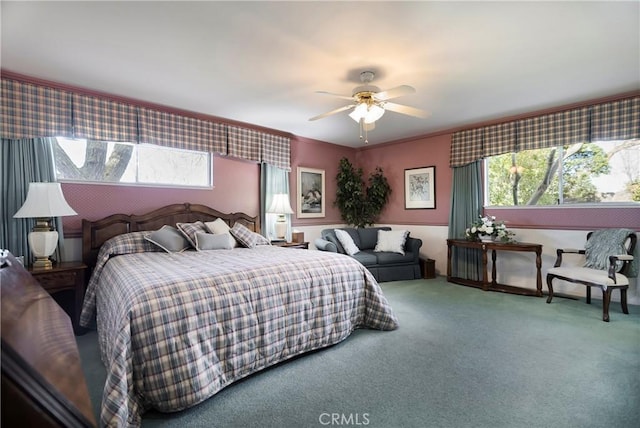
22, 162
466, 206
272, 180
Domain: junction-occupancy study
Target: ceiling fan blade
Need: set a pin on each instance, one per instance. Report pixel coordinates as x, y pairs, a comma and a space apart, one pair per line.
344, 97
396, 92
411, 111
338, 110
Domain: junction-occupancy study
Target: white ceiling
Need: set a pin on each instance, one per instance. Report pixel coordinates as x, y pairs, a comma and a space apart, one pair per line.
261, 62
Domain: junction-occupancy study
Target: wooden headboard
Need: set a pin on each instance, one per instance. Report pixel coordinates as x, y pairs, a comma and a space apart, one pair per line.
96, 233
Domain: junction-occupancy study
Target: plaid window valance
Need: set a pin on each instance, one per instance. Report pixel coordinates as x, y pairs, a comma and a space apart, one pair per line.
243, 143
30, 111
181, 132
616, 120
104, 120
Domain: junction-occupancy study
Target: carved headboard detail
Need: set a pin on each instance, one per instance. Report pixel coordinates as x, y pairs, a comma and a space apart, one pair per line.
96, 233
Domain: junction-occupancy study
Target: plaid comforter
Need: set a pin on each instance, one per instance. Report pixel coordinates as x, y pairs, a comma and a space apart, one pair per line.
175, 328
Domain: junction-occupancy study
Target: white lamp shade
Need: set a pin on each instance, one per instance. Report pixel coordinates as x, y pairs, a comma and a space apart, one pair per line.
280, 204
45, 200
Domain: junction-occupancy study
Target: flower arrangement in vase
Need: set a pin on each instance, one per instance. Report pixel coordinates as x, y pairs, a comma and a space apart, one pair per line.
489, 229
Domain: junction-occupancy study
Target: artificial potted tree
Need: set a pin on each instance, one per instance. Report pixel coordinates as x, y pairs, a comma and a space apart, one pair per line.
360, 205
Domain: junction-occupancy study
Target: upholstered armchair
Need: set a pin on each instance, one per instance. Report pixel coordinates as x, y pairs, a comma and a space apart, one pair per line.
609, 264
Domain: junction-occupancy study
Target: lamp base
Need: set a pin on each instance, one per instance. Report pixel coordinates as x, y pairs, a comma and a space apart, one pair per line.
42, 263
280, 229
43, 244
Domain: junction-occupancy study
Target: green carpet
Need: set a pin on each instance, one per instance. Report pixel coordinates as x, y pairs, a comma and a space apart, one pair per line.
461, 358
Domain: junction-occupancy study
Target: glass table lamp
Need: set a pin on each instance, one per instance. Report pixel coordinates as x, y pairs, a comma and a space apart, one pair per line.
280, 205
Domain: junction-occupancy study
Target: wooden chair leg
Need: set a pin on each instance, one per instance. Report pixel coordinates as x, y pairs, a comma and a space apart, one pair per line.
589, 294
606, 299
623, 300
550, 287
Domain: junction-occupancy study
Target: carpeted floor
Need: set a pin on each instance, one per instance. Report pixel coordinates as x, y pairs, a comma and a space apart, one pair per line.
461, 358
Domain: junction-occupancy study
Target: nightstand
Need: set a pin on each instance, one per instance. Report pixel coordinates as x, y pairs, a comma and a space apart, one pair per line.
302, 245
65, 276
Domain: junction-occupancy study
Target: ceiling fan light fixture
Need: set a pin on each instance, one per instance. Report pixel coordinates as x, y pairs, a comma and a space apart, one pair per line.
368, 113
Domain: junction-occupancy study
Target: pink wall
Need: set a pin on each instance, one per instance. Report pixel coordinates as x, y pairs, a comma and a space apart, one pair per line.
394, 159
236, 189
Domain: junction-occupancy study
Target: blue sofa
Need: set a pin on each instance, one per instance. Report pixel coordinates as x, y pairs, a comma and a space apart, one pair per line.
385, 266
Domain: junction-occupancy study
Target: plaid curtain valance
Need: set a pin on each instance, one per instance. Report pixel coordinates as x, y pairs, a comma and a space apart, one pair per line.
104, 120
181, 132
617, 120
32, 111
276, 151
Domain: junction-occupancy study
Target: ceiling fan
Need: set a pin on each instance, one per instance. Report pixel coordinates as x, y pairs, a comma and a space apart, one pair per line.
369, 103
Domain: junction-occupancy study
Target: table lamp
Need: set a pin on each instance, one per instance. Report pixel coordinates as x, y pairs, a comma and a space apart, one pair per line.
280, 205
44, 201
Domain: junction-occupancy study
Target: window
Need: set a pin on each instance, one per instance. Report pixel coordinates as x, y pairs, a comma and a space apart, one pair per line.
600, 172
144, 164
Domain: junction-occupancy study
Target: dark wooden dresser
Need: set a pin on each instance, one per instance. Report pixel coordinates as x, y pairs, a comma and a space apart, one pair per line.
43, 383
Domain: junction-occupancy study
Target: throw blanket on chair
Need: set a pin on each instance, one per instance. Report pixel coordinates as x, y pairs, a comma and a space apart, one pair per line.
609, 242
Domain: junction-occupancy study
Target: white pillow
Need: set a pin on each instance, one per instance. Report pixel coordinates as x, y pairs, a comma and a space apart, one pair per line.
391, 241
347, 242
219, 226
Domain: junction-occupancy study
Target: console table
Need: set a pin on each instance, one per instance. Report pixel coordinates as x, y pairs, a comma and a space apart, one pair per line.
495, 246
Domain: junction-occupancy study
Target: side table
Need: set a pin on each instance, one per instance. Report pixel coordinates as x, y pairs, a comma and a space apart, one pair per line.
301, 245
65, 276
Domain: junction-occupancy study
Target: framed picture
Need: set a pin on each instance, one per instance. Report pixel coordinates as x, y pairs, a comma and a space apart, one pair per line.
420, 188
311, 201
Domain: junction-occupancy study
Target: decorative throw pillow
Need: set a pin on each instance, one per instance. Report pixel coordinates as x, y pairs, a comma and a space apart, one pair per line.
244, 235
210, 241
169, 239
189, 230
391, 241
217, 226
220, 226
345, 239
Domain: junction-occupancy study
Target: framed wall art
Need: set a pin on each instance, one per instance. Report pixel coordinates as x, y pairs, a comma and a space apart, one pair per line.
420, 188
311, 191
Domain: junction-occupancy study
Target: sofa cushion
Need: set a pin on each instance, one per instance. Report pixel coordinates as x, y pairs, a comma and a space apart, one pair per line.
346, 240
392, 241
367, 258
368, 237
387, 258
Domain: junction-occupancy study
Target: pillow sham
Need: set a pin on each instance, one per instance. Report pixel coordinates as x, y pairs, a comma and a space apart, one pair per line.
345, 239
391, 241
243, 235
189, 230
210, 241
219, 226
246, 237
169, 239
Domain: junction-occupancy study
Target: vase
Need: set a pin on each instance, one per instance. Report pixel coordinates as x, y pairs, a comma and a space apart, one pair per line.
486, 238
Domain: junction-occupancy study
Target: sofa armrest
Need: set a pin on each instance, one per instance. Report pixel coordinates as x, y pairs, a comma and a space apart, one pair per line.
413, 245
324, 245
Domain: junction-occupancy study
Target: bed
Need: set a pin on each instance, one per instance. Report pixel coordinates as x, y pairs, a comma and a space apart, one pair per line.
176, 328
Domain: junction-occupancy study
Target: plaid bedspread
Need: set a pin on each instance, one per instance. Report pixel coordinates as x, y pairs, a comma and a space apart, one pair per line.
176, 328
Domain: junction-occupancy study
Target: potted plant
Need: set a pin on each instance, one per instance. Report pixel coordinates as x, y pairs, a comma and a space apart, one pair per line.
360, 206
